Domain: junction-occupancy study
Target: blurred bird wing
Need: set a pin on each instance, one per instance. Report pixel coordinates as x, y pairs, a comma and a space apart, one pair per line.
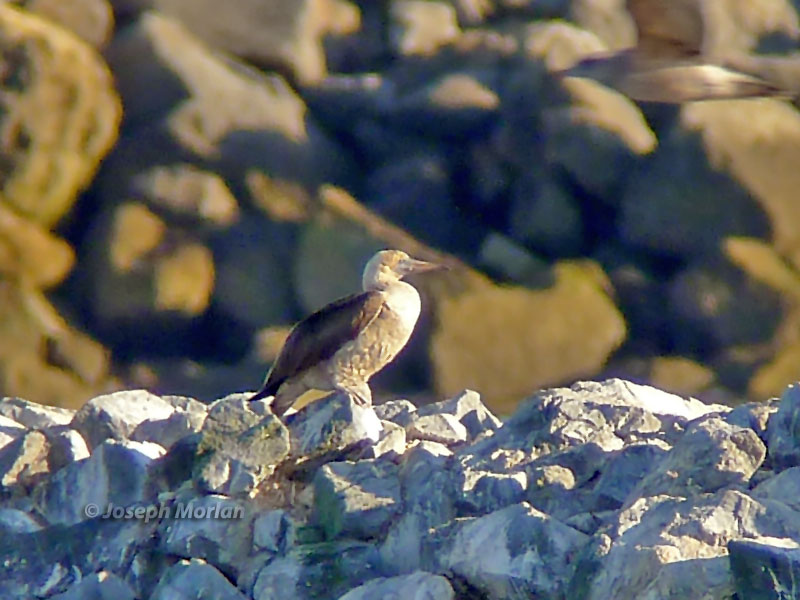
668, 29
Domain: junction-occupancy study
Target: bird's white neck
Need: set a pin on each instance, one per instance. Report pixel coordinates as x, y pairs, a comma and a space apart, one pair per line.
403, 299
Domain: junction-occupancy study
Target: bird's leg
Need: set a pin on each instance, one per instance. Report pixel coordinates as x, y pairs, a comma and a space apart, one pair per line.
287, 394
360, 392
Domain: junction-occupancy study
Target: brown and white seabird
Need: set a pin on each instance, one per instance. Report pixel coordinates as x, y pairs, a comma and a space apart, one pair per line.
345, 343
669, 63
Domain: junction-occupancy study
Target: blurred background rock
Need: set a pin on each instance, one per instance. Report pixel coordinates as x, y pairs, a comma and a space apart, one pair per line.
180, 181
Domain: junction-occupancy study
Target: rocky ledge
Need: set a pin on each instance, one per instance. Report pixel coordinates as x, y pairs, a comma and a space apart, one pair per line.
602, 490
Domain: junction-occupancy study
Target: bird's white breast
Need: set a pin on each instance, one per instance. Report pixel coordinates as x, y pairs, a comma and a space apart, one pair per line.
403, 300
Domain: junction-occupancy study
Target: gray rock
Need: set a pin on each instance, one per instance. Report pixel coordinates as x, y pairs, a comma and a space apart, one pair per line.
765, 568
332, 426
392, 442
487, 492
195, 579
415, 585
468, 408
166, 432
14, 521
783, 487
213, 528
755, 415
550, 487
325, 570
66, 447
671, 548
9, 430
272, 530
783, 439
396, 411
55, 558
114, 475
622, 472
238, 447
33, 415
98, 586
356, 500
711, 455
443, 428
430, 490
115, 416
23, 462
501, 553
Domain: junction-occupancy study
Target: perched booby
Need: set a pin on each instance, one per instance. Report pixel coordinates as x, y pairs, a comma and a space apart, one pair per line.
669, 62
345, 343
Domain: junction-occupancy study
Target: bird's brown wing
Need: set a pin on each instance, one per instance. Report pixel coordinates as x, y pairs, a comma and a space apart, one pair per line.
668, 29
320, 335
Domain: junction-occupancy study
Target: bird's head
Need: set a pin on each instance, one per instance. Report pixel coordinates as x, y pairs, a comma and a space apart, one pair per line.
388, 266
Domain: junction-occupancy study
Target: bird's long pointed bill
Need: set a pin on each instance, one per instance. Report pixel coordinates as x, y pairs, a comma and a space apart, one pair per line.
420, 266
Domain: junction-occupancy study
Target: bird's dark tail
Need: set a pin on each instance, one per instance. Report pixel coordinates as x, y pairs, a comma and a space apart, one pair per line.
268, 389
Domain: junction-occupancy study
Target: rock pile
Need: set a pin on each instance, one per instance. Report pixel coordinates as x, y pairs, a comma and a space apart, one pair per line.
603, 490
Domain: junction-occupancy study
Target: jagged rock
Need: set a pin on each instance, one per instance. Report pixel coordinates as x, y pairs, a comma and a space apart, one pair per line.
56, 558
356, 500
53, 158
549, 487
10, 430
14, 522
765, 568
23, 462
392, 442
622, 472
429, 498
442, 427
499, 553
396, 411
115, 416
676, 548
487, 492
782, 440
711, 455
33, 415
315, 570
332, 426
195, 579
114, 475
415, 585
272, 531
467, 407
98, 586
213, 528
188, 418
782, 487
66, 447
238, 447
